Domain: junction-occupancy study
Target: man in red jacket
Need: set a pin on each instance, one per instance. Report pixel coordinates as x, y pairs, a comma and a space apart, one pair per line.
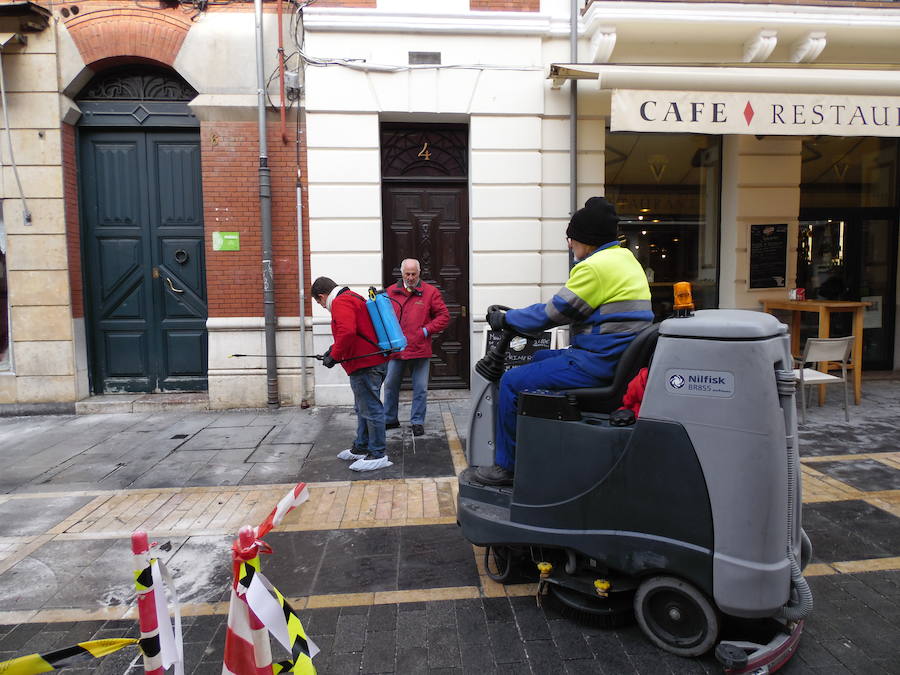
354, 337
422, 313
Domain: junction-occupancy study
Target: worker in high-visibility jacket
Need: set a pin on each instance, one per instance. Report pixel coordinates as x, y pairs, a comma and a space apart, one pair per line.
606, 301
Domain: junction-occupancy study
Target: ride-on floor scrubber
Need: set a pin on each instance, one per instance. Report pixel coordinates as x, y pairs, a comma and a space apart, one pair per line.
688, 516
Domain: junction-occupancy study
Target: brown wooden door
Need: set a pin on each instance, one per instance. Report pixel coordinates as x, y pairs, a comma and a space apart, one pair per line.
430, 222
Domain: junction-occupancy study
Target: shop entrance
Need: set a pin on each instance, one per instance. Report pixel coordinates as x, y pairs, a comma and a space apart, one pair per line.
851, 255
847, 247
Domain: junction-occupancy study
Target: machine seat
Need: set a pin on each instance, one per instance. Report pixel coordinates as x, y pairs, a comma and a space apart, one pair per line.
636, 356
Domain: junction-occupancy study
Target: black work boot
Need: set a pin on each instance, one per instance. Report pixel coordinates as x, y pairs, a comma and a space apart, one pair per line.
494, 475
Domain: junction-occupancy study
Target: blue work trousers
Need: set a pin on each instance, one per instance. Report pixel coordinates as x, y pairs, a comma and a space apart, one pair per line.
366, 386
551, 369
418, 371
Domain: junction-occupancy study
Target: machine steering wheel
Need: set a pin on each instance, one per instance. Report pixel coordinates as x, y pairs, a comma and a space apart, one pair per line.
490, 366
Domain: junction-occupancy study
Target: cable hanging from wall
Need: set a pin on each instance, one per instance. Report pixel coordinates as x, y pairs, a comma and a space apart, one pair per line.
298, 35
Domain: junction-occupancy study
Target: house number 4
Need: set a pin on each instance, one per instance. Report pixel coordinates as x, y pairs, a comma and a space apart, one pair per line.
425, 153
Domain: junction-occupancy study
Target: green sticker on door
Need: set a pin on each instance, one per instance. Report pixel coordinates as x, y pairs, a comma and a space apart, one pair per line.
226, 241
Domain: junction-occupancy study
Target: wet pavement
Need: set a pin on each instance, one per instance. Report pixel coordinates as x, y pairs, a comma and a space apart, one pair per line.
375, 564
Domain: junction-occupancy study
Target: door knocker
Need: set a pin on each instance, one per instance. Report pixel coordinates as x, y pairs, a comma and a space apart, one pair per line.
181, 256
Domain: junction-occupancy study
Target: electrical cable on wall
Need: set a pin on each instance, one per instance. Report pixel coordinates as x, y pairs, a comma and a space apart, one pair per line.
26, 214
290, 96
298, 34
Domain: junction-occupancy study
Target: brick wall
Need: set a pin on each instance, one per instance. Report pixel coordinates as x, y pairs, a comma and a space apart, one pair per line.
888, 4
105, 30
73, 227
349, 3
90, 6
230, 161
505, 5
127, 30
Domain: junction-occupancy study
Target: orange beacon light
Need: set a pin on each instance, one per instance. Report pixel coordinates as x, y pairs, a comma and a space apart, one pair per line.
684, 302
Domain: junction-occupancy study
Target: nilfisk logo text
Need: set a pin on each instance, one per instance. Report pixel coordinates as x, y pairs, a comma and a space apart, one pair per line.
716, 383
706, 379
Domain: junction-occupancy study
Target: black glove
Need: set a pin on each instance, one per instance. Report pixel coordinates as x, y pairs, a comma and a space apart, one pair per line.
328, 360
496, 319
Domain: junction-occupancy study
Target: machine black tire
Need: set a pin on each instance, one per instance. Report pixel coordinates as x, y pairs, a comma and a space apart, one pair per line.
675, 616
502, 558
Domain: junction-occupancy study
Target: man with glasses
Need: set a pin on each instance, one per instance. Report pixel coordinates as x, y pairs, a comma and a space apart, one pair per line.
606, 301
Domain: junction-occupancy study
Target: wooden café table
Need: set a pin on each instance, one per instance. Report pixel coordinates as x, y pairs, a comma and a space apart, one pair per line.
825, 308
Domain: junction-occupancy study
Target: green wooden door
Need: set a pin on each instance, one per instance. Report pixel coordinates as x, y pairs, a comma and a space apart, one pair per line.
142, 219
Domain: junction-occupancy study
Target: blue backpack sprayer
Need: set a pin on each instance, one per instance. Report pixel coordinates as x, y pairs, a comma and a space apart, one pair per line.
387, 327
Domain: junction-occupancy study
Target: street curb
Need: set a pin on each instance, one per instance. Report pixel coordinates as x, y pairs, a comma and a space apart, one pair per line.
18, 409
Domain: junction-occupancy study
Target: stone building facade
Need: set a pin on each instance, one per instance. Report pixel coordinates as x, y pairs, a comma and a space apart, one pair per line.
439, 130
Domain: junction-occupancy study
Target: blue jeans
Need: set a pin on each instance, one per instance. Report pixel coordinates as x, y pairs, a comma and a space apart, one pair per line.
418, 370
366, 386
551, 369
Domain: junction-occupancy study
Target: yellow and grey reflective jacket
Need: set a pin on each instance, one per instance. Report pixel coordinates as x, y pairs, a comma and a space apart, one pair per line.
606, 300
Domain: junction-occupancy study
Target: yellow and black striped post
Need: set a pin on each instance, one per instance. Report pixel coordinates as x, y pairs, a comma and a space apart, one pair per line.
76, 655
301, 661
149, 622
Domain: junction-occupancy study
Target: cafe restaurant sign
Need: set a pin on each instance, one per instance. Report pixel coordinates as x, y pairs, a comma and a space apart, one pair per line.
708, 112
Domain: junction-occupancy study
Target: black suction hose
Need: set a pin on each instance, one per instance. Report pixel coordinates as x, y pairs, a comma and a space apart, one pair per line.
799, 604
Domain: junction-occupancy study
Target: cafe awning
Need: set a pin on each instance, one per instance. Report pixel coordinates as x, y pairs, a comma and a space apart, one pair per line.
754, 99
797, 78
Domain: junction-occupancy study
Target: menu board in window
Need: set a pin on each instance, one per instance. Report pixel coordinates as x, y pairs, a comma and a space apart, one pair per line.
768, 255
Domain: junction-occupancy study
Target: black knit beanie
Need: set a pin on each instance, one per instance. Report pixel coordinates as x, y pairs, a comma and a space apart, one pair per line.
595, 224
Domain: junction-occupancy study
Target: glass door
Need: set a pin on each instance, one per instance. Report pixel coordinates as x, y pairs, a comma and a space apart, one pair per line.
851, 255
848, 233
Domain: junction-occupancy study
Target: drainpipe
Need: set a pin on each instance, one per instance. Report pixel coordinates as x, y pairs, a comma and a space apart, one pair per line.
573, 117
304, 387
265, 217
284, 138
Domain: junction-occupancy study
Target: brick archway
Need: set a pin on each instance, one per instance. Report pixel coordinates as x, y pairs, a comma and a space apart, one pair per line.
156, 35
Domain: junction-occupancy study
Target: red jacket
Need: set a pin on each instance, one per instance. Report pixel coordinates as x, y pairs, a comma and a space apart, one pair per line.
422, 308
354, 334
634, 394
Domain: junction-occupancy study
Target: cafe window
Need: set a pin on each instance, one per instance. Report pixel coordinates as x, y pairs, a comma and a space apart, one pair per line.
666, 191
839, 172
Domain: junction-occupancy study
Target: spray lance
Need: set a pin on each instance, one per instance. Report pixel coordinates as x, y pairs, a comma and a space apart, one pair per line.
384, 321
317, 357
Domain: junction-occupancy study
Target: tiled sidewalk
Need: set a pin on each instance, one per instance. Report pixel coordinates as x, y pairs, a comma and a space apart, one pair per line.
376, 564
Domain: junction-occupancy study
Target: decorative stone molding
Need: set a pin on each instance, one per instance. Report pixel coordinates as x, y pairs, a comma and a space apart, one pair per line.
808, 48
603, 41
760, 46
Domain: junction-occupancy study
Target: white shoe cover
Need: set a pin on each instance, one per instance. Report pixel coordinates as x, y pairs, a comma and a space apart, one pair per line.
349, 455
371, 464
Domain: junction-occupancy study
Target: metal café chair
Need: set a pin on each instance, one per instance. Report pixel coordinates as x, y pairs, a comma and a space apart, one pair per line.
819, 351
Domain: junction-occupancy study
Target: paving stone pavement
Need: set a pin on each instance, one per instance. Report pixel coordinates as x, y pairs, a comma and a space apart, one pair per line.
375, 563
